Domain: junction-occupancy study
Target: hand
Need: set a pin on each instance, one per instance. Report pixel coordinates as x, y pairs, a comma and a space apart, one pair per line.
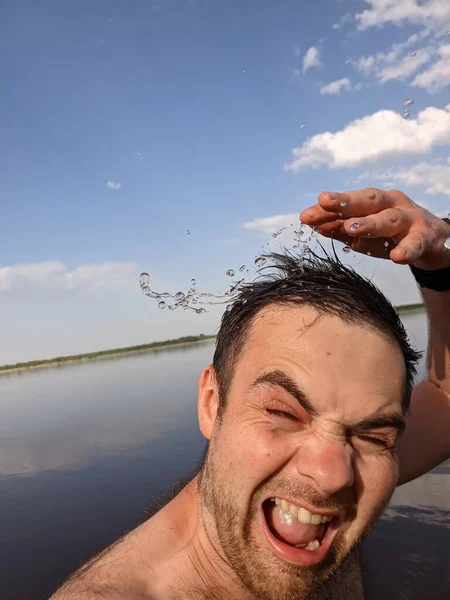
386, 224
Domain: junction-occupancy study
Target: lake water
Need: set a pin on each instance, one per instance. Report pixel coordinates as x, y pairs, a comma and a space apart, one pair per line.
86, 448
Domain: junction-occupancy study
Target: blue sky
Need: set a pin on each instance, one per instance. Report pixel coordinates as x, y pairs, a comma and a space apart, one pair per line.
213, 94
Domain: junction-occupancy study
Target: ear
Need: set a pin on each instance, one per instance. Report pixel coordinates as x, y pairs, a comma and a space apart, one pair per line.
208, 401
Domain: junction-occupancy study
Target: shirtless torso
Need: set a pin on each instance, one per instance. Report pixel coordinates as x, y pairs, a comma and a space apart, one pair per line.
152, 563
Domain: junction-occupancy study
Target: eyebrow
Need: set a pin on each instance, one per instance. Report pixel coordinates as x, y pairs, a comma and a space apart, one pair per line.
280, 379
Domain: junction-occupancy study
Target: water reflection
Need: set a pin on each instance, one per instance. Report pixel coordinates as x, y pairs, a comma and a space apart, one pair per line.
68, 416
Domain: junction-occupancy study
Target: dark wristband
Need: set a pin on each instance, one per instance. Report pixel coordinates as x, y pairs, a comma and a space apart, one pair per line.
433, 280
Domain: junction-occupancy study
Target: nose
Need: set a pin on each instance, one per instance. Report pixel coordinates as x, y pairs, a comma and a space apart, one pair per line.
328, 461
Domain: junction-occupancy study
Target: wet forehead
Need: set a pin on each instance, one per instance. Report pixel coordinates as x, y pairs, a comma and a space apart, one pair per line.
333, 360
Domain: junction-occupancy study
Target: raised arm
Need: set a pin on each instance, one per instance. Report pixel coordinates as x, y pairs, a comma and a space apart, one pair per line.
426, 441
390, 225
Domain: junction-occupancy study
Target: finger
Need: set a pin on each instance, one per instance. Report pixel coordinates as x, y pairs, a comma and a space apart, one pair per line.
380, 247
358, 203
389, 223
316, 215
410, 248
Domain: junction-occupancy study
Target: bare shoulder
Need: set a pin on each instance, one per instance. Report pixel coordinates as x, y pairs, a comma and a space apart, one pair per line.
120, 572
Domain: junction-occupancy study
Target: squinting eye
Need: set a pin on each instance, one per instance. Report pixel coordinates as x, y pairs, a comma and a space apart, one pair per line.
373, 440
281, 413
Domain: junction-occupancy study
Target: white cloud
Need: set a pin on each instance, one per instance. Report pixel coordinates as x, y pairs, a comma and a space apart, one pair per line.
438, 75
377, 137
311, 59
52, 278
397, 63
347, 18
432, 14
434, 177
113, 186
335, 87
271, 224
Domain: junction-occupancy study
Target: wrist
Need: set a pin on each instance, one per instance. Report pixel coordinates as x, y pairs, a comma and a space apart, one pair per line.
435, 279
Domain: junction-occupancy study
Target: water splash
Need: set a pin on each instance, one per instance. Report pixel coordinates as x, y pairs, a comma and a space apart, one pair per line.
195, 301
188, 232
302, 126
408, 102
406, 114
413, 54
140, 155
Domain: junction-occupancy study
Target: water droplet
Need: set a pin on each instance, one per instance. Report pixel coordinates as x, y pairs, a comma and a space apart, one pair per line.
354, 227
171, 306
162, 304
193, 282
340, 215
228, 308
343, 203
408, 102
346, 249
140, 155
242, 268
274, 235
144, 279
302, 126
386, 244
247, 271
230, 273
369, 254
188, 232
260, 261
406, 114
347, 62
447, 243
244, 70
448, 32
200, 311
413, 54
180, 296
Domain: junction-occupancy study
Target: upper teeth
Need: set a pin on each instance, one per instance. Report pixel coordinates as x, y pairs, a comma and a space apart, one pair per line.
303, 515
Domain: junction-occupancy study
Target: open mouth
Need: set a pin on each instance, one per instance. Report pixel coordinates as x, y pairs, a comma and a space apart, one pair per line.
296, 534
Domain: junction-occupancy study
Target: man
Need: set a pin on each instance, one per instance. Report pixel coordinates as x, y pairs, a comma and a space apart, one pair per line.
302, 407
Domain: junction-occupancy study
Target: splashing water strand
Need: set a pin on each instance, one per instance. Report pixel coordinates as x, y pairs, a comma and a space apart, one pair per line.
191, 299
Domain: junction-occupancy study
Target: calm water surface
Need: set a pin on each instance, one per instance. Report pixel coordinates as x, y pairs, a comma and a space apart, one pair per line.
85, 449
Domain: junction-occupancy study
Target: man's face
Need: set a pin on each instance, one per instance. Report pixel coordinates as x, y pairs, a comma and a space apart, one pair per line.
311, 420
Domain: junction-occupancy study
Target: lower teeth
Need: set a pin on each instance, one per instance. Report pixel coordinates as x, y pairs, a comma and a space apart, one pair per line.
314, 545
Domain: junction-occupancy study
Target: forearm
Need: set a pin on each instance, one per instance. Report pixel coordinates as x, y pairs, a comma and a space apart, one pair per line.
438, 357
426, 441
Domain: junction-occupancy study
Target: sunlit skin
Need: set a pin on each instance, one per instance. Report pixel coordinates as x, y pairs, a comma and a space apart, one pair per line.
349, 374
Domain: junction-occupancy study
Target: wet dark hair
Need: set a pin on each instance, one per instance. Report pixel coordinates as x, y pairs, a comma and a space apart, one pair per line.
325, 284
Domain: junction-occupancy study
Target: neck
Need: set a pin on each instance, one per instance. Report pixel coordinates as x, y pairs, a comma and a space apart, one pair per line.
194, 565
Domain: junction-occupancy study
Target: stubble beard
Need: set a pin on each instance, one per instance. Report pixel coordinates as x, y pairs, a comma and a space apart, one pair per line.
263, 575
